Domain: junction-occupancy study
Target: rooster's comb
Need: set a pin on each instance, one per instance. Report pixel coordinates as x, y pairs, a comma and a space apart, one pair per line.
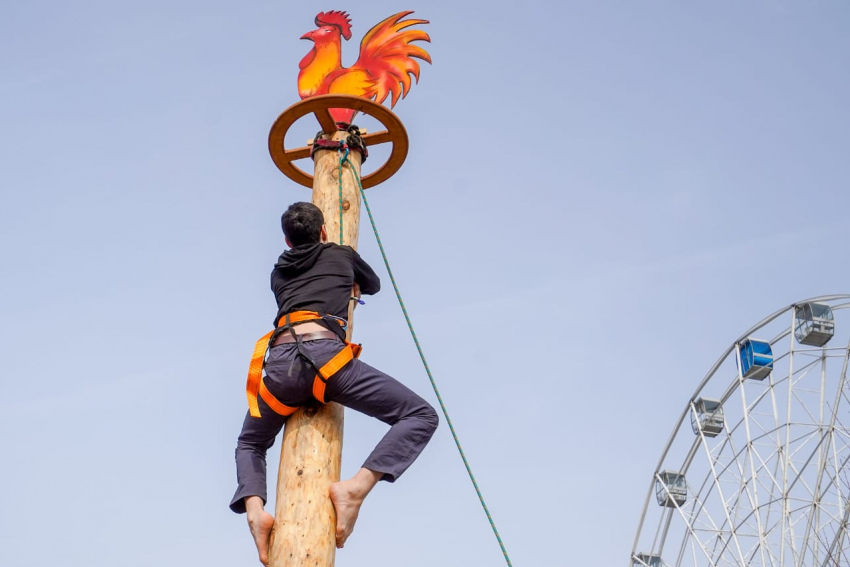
335, 18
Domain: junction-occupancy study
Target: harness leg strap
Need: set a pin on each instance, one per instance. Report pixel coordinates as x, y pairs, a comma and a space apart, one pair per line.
334, 365
255, 373
274, 403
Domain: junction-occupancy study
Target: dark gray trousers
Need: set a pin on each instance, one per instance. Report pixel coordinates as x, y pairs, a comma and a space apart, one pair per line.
358, 386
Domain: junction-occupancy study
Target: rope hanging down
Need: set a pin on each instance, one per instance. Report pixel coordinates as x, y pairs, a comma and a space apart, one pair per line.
339, 177
353, 141
344, 159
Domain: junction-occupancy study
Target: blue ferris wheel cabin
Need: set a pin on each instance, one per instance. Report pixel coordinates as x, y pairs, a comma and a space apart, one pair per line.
755, 359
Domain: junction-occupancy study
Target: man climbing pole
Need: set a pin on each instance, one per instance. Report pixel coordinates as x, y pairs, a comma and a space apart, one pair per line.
309, 362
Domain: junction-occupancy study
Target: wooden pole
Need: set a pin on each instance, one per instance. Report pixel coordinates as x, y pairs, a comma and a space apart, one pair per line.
305, 520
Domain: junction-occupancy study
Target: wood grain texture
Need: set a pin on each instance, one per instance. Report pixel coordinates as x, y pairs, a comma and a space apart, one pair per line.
326, 193
305, 521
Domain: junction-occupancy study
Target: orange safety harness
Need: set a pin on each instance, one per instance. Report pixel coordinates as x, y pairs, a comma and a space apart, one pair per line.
286, 323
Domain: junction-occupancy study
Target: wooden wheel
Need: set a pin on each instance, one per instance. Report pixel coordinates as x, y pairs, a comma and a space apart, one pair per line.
320, 107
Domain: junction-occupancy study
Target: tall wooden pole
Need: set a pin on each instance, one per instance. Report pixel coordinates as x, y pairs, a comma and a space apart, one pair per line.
305, 521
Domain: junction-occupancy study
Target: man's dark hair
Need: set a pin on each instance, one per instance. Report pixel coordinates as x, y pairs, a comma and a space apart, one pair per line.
302, 223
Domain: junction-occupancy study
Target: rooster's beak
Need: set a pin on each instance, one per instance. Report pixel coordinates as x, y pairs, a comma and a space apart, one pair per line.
308, 35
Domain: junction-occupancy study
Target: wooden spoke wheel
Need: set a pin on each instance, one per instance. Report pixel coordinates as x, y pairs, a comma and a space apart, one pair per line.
320, 107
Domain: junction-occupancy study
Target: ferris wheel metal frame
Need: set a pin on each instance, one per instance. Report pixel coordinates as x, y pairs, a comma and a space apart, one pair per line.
761, 480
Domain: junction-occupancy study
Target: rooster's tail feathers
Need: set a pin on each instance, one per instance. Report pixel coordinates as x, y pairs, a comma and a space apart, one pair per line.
387, 54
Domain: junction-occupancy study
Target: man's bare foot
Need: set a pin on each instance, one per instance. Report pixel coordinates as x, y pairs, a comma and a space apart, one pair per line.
347, 505
260, 523
347, 497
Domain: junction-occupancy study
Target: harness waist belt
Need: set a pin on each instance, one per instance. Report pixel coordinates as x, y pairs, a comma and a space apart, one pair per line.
284, 338
256, 386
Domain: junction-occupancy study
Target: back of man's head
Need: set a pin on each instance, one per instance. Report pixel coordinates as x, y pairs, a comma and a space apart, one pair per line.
302, 224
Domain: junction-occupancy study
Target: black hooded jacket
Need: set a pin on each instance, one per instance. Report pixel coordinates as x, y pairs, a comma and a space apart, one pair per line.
319, 277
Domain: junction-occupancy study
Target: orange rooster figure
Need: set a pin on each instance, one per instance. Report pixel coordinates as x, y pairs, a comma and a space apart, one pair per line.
384, 67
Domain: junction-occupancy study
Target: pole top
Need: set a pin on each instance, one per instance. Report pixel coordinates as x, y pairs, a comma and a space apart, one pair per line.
321, 106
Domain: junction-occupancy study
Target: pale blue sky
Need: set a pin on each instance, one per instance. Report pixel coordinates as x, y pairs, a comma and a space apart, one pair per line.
599, 197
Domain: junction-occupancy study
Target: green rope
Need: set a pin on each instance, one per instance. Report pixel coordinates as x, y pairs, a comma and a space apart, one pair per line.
425, 363
339, 177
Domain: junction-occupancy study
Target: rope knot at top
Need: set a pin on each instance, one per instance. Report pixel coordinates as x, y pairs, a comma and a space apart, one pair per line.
354, 141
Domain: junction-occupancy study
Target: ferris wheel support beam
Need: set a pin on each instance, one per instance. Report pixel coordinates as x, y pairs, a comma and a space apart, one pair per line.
742, 489
822, 466
786, 513
774, 434
732, 529
838, 539
820, 491
750, 451
687, 522
825, 443
821, 463
697, 506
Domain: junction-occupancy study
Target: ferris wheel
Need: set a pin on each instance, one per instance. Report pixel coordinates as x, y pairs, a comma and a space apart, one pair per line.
756, 471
